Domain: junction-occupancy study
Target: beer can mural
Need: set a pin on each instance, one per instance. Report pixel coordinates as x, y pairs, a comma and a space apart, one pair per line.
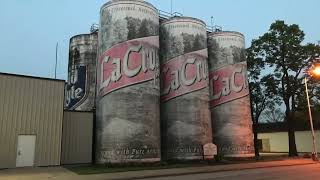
185, 113
128, 90
81, 86
229, 94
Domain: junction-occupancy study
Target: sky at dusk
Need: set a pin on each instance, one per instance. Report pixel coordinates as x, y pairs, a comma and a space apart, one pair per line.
30, 29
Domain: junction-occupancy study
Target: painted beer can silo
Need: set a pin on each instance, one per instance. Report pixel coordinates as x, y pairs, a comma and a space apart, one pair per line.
229, 94
185, 113
80, 90
128, 90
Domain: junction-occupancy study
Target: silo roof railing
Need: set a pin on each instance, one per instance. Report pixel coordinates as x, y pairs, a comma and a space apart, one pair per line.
164, 14
167, 15
94, 28
215, 28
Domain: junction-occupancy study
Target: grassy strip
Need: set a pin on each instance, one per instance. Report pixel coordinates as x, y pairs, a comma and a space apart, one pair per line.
101, 169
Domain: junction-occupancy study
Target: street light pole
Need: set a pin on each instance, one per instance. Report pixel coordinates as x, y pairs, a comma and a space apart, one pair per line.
314, 151
55, 67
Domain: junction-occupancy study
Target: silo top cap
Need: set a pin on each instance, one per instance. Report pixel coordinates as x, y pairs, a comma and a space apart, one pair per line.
128, 1
185, 19
217, 33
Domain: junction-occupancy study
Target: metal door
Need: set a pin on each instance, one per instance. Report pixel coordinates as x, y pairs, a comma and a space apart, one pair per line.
25, 150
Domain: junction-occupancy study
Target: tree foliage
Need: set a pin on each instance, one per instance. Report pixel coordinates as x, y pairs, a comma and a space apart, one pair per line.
282, 58
273, 114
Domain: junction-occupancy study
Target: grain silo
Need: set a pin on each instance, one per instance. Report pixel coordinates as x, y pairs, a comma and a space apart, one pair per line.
128, 90
229, 94
80, 89
185, 113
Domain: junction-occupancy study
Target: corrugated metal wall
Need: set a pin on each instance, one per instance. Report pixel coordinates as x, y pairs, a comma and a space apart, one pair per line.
30, 106
77, 137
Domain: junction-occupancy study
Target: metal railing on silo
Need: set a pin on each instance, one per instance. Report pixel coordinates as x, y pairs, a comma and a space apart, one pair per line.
214, 28
163, 16
167, 15
94, 28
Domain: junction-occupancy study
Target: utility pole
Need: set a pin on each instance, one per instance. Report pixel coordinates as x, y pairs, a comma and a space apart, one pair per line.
171, 8
212, 23
55, 68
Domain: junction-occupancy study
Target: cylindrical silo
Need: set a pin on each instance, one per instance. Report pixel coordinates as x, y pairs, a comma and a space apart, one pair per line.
185, 113
229, 94
81, 86
128, 90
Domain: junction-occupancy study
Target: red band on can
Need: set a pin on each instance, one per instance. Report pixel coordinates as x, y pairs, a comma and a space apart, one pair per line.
184, 74
128, 63
228, 83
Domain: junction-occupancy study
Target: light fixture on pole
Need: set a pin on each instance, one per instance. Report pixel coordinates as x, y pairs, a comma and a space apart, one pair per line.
314, 71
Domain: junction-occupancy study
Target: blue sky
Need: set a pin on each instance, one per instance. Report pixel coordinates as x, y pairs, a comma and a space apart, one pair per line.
30, 29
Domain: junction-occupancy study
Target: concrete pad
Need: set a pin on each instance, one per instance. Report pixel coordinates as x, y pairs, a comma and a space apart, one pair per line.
36, 173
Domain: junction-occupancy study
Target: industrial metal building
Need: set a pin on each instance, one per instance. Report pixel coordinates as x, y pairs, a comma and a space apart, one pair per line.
77, 136
31, 113
34, 128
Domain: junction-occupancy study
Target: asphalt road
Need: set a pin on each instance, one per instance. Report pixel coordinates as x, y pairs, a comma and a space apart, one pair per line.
302, 172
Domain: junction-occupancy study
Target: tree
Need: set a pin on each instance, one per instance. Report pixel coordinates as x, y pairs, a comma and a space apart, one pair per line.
132, 27
260, 96
214, 51
143, 29
164, 34
282, 51
272, 114
120, 30
199, 42
175, 46
106, 30
238, 54
188, 40
171, 46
